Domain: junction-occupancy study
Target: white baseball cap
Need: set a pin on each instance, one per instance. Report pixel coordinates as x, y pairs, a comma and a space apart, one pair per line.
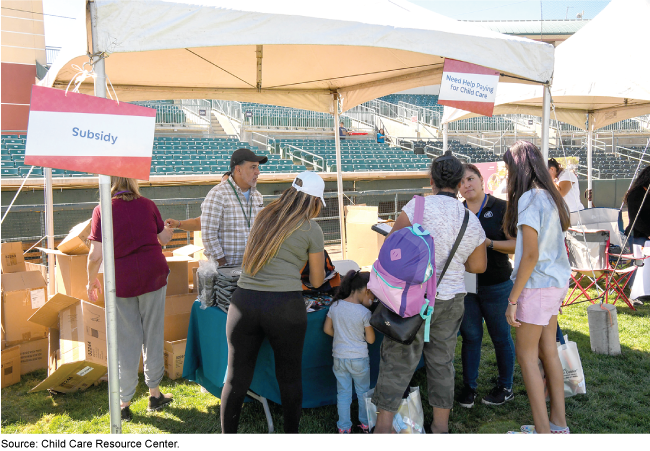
310, 183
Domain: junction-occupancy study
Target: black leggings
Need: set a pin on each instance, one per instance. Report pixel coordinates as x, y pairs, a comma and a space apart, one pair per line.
282, 318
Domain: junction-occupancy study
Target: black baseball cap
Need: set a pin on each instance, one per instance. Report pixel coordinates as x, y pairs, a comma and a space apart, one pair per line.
243, 154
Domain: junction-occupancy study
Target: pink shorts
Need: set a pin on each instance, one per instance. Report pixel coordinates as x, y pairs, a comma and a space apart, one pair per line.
538, 305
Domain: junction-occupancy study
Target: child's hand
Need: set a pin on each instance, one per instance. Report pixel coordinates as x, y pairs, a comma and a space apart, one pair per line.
511, 315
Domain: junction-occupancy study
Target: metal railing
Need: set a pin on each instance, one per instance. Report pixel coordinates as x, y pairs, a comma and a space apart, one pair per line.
424, 115
197, 112
23, 223
293, 153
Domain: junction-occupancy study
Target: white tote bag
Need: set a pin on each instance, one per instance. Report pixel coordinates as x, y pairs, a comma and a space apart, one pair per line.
574, 377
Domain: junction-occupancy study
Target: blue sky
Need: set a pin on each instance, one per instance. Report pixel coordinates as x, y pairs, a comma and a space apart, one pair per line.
513, 9
71, 12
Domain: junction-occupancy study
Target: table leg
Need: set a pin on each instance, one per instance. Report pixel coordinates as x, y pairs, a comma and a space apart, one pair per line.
267, 411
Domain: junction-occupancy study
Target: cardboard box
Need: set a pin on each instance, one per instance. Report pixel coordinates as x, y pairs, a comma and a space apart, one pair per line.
187, 251
37, 267
81, 357
174, 358
71, 275
23, 293
12, 257
33, 355
177, 321
76, 243
10, 366
178, 281
363, 243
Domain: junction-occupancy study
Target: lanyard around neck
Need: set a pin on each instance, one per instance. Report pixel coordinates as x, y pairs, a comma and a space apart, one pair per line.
250, 205
478, 215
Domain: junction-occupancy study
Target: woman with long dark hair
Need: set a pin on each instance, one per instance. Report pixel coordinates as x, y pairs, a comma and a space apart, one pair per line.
268, 301
490, 301
443, 218
538, 217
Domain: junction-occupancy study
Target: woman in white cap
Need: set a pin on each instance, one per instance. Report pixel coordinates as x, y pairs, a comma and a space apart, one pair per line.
268, 301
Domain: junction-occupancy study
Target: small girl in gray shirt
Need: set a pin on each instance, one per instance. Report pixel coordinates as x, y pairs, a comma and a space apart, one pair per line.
348, 321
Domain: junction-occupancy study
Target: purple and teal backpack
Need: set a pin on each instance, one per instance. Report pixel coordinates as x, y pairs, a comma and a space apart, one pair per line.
404, 275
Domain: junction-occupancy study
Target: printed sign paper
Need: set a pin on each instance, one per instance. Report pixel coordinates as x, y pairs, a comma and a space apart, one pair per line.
468, 87
38, 298
77, 132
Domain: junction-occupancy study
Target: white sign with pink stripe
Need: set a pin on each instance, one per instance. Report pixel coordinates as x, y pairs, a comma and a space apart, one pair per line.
468, 87
77, 132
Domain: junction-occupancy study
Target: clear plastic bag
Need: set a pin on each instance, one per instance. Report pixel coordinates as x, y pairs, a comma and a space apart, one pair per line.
409, 418
206, 277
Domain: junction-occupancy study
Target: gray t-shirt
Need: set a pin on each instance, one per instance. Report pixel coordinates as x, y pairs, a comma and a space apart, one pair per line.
443, 218
282, 272
350, 321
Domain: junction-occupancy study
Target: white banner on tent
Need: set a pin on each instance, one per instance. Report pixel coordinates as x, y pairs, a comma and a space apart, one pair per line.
468, 87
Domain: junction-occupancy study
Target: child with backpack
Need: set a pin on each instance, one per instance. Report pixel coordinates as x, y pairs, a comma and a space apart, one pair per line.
538, 216
348, 321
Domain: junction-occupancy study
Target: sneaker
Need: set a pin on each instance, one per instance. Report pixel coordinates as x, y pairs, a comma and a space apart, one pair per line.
498, 396
364, 428
467, 397
159, 402
126, 414
345, 431
530, 429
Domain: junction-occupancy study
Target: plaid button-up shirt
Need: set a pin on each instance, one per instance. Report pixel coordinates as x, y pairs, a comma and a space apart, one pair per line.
224, 226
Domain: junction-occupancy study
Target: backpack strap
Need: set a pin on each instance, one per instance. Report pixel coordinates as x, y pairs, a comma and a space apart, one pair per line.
418, 214
456, 244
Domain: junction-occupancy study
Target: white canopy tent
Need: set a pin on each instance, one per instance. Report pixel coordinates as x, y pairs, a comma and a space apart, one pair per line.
296, 53
291, 53
602, 75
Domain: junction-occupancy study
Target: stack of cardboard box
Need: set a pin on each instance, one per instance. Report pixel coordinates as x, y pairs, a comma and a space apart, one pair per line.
24, 344
67, 334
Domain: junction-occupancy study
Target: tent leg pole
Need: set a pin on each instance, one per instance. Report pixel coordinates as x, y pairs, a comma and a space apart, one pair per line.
445, 137
339, 176
49, 231
108, 254
546, 113
590, 139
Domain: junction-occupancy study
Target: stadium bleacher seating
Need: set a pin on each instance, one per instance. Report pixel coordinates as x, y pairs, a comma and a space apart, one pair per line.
279, 117
185, 156
166, 111
424, 100
356, 155
171, 156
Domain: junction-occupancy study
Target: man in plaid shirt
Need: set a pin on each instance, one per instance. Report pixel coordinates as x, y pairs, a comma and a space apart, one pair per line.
230, 208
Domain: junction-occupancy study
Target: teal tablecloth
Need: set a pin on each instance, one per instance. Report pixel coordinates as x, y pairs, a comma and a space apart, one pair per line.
206, 359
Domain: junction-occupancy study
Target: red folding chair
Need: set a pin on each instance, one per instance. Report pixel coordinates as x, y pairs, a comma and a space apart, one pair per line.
593, 265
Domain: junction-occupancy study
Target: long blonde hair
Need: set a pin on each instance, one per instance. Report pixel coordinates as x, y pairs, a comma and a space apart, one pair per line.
125, 184
274, 224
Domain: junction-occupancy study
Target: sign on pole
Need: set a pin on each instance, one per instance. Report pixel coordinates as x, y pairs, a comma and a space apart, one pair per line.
77, 132
468, 87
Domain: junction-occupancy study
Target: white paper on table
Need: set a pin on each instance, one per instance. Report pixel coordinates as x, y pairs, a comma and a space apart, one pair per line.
470, 282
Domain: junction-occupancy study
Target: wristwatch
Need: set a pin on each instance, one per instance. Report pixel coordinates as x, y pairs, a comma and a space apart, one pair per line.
491, 245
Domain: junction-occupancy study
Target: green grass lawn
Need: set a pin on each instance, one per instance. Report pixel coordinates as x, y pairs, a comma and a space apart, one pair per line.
617, 399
